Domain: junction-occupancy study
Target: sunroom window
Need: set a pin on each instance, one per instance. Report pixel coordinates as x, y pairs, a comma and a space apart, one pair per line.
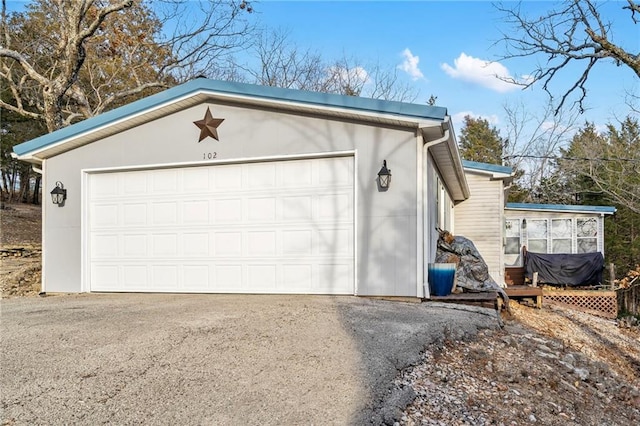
512, 236
587, 235
561, 233
537, 235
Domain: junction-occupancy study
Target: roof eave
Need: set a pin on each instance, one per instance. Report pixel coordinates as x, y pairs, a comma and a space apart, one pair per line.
200, 91
604, 210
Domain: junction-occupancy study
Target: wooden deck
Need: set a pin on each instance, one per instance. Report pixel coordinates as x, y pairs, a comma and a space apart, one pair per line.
525, 291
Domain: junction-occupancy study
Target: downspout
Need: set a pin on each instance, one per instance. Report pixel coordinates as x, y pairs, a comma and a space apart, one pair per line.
425, 212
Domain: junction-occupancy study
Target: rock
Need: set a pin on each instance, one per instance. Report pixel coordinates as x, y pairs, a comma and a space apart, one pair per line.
569, 359
583, 373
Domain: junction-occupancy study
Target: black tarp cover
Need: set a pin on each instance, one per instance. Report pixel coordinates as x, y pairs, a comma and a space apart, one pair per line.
565, 269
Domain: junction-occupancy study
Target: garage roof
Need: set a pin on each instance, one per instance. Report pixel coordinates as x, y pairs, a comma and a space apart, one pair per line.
495, 169
201, 90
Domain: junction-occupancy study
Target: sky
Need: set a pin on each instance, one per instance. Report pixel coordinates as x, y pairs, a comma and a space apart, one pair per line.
449, 49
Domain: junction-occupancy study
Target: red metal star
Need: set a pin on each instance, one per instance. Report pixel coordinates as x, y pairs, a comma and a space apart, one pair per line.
208, 126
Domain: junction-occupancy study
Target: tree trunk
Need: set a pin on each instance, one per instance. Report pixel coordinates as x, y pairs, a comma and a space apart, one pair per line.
53, 106
36, 190
25, 180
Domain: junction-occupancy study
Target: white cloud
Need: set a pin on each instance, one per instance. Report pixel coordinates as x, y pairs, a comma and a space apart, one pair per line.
485, 73
410, 65
356, 76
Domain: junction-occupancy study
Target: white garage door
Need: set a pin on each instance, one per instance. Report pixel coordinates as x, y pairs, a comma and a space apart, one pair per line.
267, 227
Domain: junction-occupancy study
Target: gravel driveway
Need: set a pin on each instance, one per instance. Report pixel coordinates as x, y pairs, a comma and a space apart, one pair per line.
213, 359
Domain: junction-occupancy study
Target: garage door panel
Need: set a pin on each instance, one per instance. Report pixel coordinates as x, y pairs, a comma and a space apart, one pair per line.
228, 211
228, 178
261, 210
243, 228
195, 212
164, 213
261, 175
228, 244
298, 207
134, 214
261, 278
195, 244
104, 216
135, 276
164, 181
164, 277
297, 242
195, 180
196, 277
296, 174
134, 183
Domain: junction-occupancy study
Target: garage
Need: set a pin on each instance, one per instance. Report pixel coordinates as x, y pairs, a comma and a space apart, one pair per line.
260, 227
225, 187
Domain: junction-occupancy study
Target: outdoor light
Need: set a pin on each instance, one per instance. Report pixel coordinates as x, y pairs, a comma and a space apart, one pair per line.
524, 223
59, 194
384, 176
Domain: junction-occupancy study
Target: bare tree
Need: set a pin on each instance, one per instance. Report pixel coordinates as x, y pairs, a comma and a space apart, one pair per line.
534, 142
574, 32
66, 60
279, 62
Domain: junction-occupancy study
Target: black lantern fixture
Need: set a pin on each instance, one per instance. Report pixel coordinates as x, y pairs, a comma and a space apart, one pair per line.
59, 194
384, 176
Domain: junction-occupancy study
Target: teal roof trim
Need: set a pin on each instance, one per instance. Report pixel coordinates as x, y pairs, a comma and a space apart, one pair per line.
562, 207
486, 167
239, 89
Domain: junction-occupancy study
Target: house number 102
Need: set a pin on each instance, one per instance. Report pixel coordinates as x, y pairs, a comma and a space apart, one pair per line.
209, 155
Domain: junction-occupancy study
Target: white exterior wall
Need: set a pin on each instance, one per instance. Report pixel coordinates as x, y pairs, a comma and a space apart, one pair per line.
480, 219
386, 222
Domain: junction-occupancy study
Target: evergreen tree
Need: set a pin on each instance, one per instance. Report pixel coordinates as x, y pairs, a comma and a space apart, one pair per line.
604, 169
481, 142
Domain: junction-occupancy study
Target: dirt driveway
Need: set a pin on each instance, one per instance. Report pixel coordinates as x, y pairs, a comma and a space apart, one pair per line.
213, 359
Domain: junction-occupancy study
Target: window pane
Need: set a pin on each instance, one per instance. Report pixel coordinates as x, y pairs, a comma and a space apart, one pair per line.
512, 228
587, 245
512, 245
537, 246
587, 227
537, 228
561, 246
561, 228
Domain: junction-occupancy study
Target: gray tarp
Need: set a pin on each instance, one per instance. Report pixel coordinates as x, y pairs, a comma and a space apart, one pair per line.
472, 272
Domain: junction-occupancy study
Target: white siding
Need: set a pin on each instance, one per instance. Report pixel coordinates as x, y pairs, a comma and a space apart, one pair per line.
480, 219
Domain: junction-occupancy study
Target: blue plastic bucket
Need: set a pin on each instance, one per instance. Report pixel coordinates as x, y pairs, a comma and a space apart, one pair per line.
441, 276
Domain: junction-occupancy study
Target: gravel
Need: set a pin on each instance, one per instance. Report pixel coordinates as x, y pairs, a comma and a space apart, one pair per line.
518, 377
215, 359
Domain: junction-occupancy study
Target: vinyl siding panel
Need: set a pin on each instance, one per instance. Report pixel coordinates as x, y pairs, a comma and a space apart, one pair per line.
480, 219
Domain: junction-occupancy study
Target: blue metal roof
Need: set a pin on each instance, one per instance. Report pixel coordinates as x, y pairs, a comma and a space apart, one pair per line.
562, 207
495, 168
355, 103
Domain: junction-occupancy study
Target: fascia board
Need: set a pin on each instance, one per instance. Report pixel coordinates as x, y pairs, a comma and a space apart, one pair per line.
411, 115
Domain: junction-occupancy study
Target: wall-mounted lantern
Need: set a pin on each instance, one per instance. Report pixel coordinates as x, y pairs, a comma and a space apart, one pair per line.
524, 223
59, 194
384, 176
